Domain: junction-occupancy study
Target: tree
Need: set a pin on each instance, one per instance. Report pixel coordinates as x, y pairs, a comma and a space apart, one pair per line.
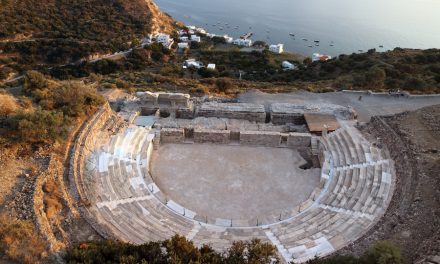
34, 80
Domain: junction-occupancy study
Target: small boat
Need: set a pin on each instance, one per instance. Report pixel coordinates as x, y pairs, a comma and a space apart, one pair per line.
316, 41
310, 46
380, 46
361, 50
304, 39
291, 34
331, 45
317, 45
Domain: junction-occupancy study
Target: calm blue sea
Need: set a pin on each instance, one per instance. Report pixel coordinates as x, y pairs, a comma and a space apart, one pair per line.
340, 26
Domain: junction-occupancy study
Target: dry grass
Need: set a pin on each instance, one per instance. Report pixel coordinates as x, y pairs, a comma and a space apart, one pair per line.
52, 198
20, 242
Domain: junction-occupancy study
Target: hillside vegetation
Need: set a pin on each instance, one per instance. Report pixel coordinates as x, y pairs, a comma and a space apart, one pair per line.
61, 31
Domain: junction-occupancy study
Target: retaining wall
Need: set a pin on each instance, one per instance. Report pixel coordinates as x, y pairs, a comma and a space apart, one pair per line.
172, 135
299, 140
212, 136
84, 144
260, 138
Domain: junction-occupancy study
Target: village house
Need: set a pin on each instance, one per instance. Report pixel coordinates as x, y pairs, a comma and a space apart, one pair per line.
192, 63
278, 48
184, 38
228, 39
183, 45
211, 66
165, 40
195, 38
243, 42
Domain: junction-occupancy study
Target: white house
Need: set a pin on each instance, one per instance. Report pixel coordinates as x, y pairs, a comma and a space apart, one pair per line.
210, 35
243, 42
195, 38
201, 30
162, 38
228, 39
183, 45
279, 48
181, 32
211, 66
192, 63
165, 40
287, 66
320, 57
183, 38
191, 27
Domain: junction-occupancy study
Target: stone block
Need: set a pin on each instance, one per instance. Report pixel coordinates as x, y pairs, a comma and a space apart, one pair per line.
260, 138
212, 136
172, 135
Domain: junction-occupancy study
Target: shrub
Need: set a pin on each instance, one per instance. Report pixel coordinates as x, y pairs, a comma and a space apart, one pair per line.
223, 84
8, 105
39, 127
383, 252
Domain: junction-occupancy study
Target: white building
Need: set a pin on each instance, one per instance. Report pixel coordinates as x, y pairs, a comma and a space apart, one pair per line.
192, 63
201, 30
320, 57
287, 66
279, 48
228, 39
183, 45
195, 38
211, 66
191, 27
210, 35
165, 40
181, 32
183, 38
243, 42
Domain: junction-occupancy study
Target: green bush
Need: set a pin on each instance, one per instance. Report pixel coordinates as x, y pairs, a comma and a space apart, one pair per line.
174, 250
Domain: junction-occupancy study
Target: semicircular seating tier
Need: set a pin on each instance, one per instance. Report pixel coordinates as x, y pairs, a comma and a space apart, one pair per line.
123, 199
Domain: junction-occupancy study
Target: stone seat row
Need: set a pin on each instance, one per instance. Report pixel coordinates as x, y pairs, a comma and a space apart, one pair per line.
355, 196
348, 147
361, 189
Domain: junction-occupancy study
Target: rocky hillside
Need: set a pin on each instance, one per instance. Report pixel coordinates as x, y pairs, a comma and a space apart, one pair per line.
60, 31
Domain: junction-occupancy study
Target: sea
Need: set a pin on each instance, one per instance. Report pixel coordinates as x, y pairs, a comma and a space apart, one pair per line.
330, 27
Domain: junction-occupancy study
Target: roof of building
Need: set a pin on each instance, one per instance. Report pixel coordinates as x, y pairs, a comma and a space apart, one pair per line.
317, 121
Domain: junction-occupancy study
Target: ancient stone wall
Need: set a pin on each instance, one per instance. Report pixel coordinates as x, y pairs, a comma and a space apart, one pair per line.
260, 138
212, 136
299, 140
172, 135
185, 113
250, 112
